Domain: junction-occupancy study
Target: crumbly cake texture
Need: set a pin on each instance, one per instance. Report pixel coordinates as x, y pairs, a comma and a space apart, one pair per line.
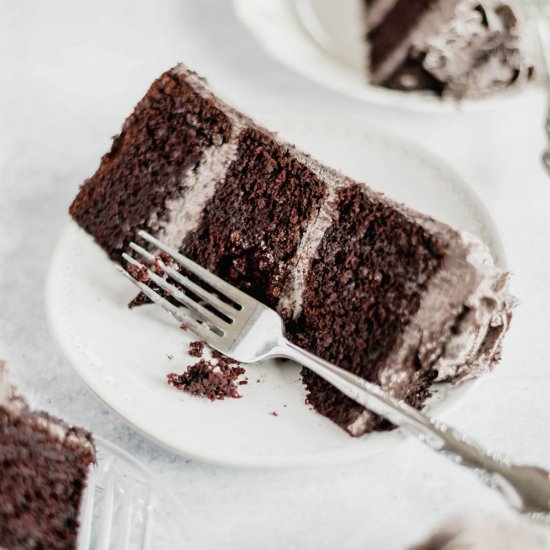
381, 290
457, 48
214, 379
44, 465
196, 348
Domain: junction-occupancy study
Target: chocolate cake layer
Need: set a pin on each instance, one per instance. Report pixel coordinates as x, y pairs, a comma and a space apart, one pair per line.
251, 228
380, 289
459, 48
365, 284
44, 465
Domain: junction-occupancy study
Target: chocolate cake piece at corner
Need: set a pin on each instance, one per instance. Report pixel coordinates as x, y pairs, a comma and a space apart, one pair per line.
44, 466
457, 48
382, 290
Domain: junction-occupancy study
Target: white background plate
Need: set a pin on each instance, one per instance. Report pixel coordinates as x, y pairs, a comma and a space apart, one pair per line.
322, 40
122, 354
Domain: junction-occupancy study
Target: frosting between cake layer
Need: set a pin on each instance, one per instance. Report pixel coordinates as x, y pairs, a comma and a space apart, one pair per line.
291, 298
199, 183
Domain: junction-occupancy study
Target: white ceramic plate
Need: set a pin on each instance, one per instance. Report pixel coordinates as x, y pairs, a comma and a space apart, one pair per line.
321, 40
123, 355
127, 505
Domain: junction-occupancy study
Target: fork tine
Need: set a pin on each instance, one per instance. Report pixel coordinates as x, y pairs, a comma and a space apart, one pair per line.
201, 329
215, 282
177, 294
187, 283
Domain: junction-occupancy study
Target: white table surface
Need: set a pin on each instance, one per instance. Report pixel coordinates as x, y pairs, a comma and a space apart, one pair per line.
69, 74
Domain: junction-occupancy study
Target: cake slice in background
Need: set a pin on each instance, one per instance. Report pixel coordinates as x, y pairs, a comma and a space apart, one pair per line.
369, 284
458, 48
44, 465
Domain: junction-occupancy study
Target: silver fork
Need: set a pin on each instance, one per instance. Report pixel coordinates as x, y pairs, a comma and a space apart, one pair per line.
248, 331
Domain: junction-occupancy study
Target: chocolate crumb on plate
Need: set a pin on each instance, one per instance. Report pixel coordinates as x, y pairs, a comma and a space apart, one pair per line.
208, 379
227, 360
196, 349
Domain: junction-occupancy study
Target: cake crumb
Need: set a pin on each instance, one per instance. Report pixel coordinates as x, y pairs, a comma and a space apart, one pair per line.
156, 267
227, 360
184, 327
140, 274
139, 300
273, 413
157, 264
196, 349
170, 357
165, 257
208, 379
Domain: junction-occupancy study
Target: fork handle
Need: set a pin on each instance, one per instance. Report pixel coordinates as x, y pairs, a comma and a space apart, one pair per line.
526, 488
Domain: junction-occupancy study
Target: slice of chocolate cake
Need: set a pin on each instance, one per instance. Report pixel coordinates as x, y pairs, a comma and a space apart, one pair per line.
379, 289
460, 48
44, 465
